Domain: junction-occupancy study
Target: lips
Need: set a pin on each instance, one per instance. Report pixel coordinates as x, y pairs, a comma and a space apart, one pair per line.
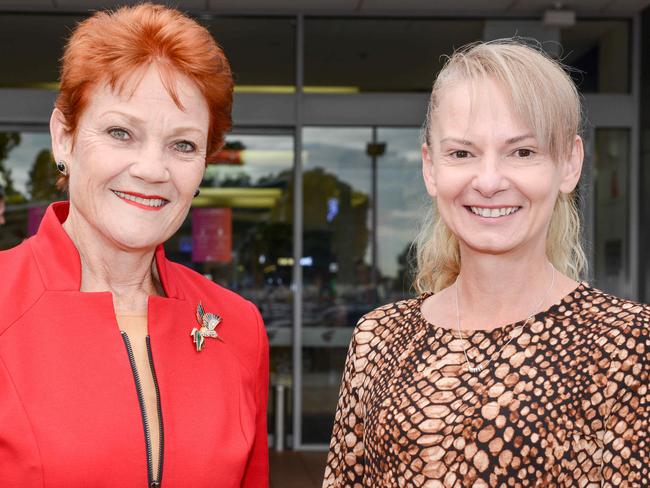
146, 202
492, 212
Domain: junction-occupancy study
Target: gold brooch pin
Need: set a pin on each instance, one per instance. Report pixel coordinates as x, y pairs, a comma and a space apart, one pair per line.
208, 322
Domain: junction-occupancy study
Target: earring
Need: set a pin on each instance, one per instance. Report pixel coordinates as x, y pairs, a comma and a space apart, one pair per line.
62, 168
197, 193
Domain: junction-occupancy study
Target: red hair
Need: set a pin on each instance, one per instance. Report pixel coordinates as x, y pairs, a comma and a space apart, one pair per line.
110, 47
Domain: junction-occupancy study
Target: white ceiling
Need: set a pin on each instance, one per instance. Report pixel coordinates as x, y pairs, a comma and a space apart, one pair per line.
404, 7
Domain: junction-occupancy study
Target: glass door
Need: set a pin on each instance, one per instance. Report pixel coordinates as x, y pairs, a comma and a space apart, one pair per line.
606, 193
611, 199
362, 197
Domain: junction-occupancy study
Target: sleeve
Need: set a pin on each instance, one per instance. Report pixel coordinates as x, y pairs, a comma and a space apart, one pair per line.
20, 461
626, 449
257, 468
345, 461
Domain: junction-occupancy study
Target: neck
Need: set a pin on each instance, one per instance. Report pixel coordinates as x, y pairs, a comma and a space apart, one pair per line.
129, 275
495, 290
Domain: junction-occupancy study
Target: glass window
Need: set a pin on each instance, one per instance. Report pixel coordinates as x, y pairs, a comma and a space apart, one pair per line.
32, 45
337, 273
343, 278
359, 55
336, 226
29, 176
402, 201
260, 50
611, 198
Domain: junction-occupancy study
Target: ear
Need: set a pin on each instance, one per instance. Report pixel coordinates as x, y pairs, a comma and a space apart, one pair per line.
427, 171
572, 167
61, 137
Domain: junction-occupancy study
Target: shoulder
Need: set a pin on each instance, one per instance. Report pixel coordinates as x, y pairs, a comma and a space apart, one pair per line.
608, 312
389, 323
22, 284
618, 328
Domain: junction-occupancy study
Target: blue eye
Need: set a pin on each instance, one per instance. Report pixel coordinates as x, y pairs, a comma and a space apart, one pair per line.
185, 146
119, 133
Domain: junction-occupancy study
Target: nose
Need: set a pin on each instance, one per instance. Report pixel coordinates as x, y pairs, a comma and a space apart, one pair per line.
150, 165
489, 178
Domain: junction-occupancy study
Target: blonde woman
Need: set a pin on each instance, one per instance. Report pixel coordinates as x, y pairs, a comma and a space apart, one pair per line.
506, 370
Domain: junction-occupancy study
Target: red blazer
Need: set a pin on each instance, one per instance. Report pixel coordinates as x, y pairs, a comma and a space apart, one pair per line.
69, 410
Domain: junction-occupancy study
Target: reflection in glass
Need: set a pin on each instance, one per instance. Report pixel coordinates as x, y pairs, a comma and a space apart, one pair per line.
30, 177
611, 197
402, 201
343, 278
336, 227
337, 275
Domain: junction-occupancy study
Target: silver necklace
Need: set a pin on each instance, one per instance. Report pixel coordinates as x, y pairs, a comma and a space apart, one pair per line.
480, 367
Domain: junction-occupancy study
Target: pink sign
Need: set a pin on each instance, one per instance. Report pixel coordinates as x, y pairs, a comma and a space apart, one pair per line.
34, 217
211, 235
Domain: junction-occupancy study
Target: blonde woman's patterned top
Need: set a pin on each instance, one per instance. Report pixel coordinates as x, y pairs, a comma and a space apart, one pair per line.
564, 404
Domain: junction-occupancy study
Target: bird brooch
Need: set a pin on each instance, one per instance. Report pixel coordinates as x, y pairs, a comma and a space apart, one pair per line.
208, 322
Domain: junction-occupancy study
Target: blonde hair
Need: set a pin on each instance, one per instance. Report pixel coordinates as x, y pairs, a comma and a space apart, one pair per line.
546, 99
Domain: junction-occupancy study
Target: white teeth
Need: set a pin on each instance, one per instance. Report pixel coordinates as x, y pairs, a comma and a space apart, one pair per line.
149, 202
493, 212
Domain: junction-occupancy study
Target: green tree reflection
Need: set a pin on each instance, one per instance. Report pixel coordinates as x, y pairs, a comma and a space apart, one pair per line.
8, 141
42, 178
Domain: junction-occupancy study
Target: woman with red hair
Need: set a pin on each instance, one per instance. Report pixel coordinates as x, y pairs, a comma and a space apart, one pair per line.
118, 367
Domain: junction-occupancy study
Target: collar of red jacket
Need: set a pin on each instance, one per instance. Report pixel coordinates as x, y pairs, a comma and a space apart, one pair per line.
58, 259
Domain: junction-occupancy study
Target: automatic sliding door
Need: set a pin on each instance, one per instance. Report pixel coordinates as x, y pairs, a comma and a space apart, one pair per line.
337, 250
349, 267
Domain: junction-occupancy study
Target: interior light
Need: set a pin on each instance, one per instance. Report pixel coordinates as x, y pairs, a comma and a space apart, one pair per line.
292, 89
559, 17
285, 261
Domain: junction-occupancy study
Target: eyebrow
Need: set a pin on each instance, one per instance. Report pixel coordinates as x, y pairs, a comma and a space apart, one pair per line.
465, 142
137, 120
515, 140
129, 117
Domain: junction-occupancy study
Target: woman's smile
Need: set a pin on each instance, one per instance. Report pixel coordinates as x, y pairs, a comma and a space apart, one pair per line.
145, 202
492, 213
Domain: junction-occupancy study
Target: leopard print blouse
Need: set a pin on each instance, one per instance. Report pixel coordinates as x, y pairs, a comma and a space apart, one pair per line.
564, 404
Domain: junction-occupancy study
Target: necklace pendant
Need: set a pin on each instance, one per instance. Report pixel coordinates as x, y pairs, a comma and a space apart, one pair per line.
476, 369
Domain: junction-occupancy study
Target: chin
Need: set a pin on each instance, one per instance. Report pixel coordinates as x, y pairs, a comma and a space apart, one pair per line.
490, 246
129, 239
